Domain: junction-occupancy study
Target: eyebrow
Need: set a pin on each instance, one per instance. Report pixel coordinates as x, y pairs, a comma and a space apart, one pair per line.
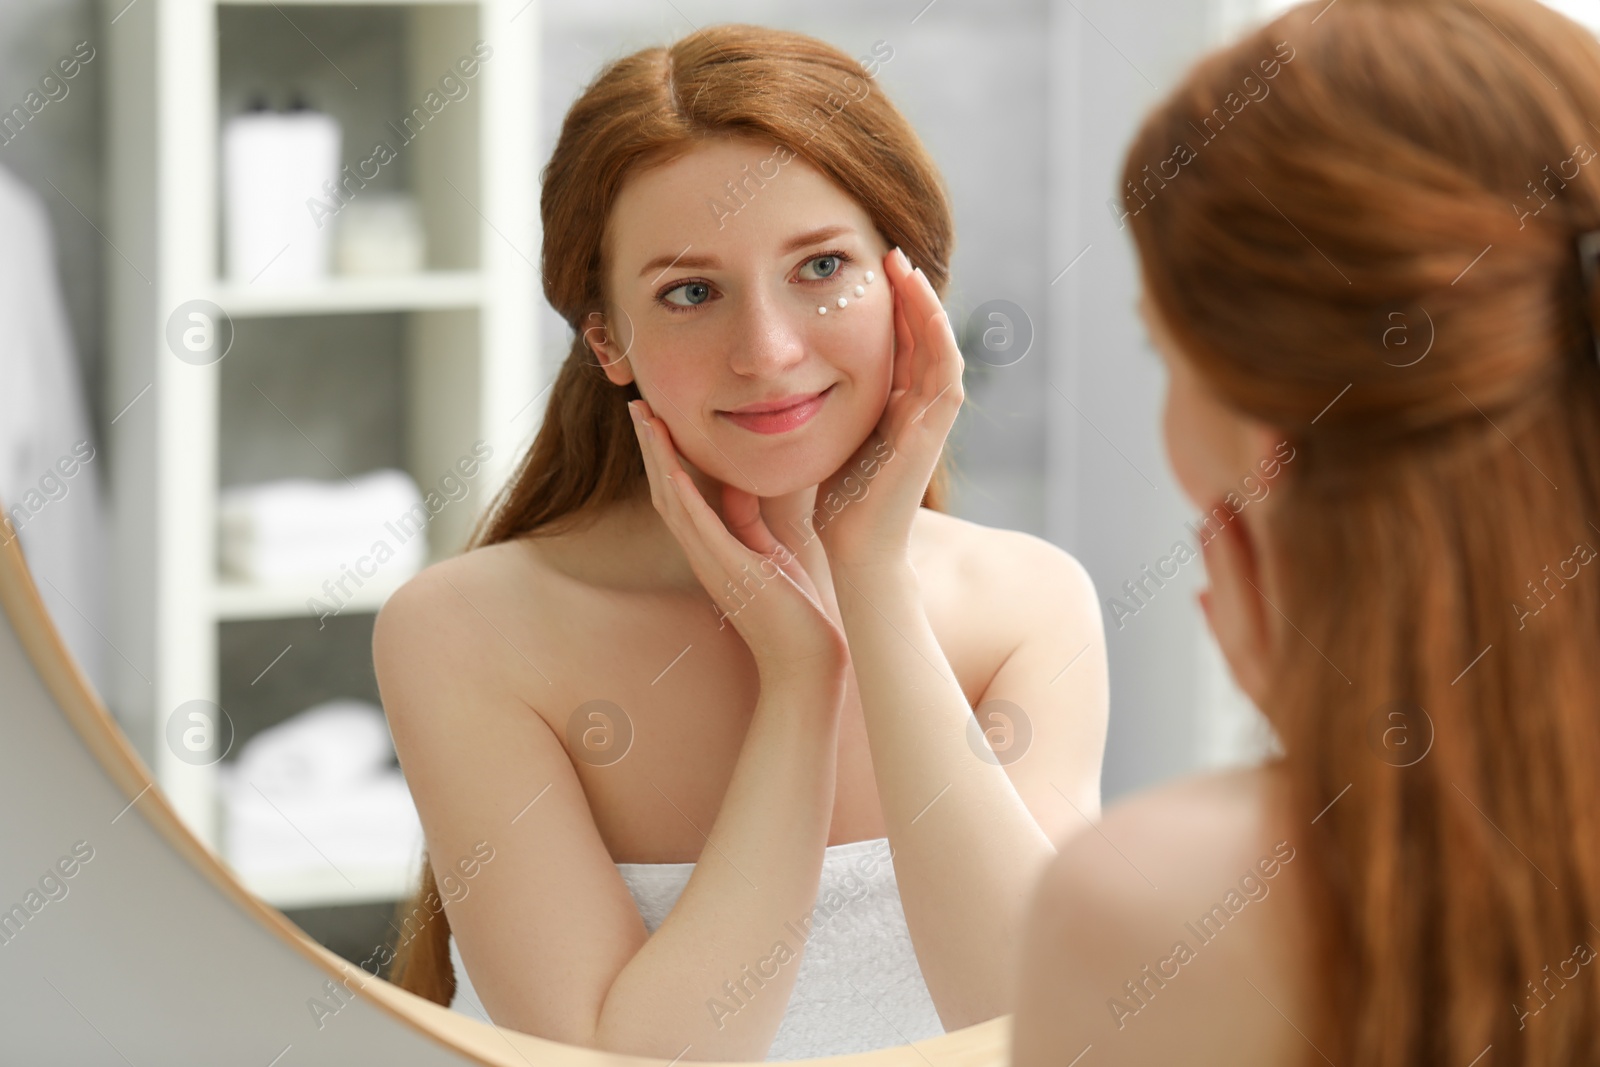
707, 262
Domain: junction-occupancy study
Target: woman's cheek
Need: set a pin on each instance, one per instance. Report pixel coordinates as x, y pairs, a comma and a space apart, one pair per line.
1202, 438
675, 395
872, 385
1184, 444
871, 363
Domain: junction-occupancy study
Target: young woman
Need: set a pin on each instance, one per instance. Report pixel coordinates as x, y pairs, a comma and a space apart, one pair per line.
691, 728
1368, 245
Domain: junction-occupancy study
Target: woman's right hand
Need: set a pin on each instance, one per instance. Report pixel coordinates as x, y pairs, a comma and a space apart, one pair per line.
756, 582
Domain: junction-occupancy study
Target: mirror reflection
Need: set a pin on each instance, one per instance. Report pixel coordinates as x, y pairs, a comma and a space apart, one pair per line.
735, 732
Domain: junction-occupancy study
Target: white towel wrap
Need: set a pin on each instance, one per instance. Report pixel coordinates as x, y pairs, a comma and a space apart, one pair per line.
859, 986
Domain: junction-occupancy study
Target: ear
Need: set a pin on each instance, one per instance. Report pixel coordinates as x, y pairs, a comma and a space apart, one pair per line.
611, 356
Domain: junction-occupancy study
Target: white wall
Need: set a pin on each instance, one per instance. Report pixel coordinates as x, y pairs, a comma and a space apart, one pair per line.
1115, 504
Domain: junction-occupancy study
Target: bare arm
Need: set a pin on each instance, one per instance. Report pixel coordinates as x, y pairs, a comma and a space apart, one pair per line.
549, 931
967, 849
968, 844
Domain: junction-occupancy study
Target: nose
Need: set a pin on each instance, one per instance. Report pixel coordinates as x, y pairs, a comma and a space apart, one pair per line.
769, 341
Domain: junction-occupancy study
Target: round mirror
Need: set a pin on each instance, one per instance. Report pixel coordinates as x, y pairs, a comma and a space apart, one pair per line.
125, 940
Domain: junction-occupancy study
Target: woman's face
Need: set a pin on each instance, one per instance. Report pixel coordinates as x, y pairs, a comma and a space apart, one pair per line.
716, 264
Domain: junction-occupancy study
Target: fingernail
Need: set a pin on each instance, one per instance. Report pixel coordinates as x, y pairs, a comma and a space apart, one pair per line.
633, 411
901, 258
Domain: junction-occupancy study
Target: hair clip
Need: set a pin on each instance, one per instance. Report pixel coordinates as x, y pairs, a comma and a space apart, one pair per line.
1589, 263
860, 291
1588, 254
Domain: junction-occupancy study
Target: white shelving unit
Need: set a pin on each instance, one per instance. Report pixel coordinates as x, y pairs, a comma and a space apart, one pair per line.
469, 353
425, 291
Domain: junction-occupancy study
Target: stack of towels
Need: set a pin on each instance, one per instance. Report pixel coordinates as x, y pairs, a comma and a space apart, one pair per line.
319, 788
303, 528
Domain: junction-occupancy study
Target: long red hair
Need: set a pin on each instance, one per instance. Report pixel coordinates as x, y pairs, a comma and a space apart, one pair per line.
1313, 208
641, 111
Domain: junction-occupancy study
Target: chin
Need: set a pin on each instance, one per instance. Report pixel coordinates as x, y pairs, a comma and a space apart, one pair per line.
775, 478
778, 473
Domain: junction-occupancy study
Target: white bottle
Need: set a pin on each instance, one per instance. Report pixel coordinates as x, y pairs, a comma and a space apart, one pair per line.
274, 164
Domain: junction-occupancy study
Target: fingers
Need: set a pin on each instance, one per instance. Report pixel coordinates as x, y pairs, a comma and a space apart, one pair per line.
904, 343
741, 514
666, 493
733, 555
934, 367
651, 432
925, 337
918, 302
928, 362
705, 537
904, 347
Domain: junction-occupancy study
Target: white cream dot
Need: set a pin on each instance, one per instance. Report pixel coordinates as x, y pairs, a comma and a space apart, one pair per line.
861, 290
843, 302
870, 276
821, 310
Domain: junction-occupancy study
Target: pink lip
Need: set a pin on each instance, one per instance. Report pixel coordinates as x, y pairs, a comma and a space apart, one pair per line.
778, 416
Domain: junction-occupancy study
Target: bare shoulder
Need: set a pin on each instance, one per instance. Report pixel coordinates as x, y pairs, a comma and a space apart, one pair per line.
1190, 832
446, 588
451, 651
1019, 621
1176, 927
454, 609
486, 566
995, 563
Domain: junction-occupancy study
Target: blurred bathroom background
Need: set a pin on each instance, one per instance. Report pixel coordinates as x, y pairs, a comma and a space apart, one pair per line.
310, 427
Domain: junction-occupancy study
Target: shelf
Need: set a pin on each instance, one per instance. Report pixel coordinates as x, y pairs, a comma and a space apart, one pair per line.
235, 600
324, 888
457, 342
340, 295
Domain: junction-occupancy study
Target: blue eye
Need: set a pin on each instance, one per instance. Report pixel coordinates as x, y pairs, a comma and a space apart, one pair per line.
696, 293
827, 266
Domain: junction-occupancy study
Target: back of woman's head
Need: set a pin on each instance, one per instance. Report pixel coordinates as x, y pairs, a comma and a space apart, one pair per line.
1359, 223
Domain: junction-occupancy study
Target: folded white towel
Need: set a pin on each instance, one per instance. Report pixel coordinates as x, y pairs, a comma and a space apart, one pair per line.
304, 527
319, 788
326, 559
368, 826
332, 745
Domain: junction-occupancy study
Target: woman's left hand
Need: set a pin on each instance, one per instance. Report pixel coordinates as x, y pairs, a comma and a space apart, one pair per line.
864, 510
